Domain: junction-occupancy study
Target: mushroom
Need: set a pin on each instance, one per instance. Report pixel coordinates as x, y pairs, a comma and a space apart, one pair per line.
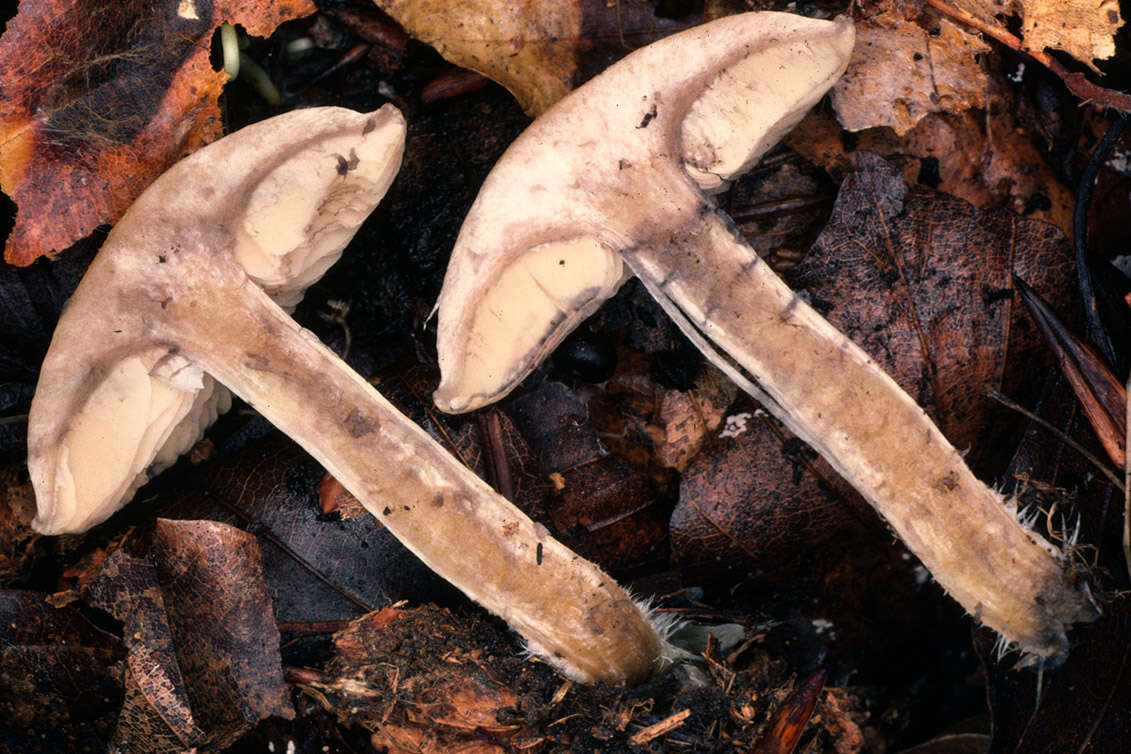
181, 295
614, 176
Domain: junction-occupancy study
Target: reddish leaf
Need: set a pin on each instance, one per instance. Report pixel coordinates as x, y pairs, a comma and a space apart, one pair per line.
792, 717
97, 98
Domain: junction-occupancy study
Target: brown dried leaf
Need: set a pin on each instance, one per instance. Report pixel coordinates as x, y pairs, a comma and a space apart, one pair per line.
98, 98
198, 619
526, 47
752, 500
1085, 29
157, 713
60, 677
966, 153
600, 505
17, 509
900, 72
650, 423
611, 512
924, 283
687, 418
533, 49
557, 426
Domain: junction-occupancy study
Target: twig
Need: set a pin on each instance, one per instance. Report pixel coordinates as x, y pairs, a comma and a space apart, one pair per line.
667, 725
1077, 83
1103, 467
259, 528
491, 430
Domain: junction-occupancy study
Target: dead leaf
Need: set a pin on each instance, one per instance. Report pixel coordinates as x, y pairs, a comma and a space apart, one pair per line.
17, 509
964, 155
60, 677
900, 72
319, 567
610, 511
1085, 29
534, 49
752, 500
924, 283
98, 98
648, 421
556, 424
524, 46
203, 665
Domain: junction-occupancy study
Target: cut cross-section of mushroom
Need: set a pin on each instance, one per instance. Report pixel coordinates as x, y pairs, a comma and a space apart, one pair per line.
180, 298
615, 176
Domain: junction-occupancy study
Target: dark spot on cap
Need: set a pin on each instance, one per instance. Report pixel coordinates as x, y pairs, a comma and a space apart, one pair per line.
343, 166
370, 124
387, 510
538, 554
648, 116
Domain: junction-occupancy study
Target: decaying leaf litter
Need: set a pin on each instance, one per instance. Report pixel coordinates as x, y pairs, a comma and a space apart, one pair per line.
637, 330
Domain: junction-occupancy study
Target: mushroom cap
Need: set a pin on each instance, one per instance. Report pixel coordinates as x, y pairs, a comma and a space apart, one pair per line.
614, 163
275, 203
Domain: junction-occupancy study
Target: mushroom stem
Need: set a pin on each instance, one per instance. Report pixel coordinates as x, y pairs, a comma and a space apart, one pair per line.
831, 394
568, 610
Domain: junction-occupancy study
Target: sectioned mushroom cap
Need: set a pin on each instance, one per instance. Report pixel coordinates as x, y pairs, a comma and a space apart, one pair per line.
538, 251
108, 415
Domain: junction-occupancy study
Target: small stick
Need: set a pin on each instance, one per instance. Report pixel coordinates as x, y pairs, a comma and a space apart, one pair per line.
1076, 82
654, 731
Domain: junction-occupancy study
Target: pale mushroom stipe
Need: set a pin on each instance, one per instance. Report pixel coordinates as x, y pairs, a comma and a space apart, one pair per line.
613, 176
180, 298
